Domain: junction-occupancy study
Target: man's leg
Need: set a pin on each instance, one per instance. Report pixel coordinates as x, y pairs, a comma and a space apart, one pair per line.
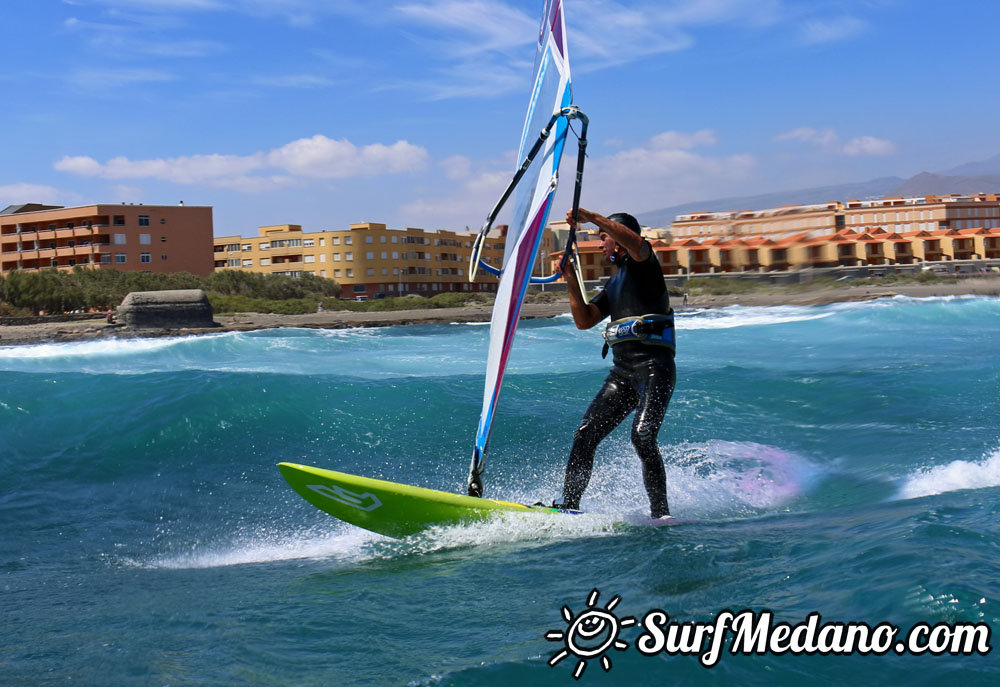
613, 402
656, 385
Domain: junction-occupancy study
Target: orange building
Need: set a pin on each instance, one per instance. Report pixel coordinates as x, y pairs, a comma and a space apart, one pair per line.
894, 215
136, 238
843, 248
370, 260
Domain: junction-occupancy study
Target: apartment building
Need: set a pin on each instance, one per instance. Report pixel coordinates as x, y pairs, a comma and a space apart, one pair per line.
369, 259
893, 215
845, 247
138, 238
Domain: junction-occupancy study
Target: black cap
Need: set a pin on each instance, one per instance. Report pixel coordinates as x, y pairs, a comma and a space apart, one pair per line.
627, 220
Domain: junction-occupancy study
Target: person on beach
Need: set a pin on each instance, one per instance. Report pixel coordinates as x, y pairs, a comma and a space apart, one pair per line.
641, 337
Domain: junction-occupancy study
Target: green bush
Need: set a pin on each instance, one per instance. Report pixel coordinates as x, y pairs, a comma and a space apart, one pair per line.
228, 305
55, 291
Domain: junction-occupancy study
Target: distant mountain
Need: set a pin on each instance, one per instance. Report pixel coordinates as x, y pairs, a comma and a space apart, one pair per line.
925, 183
876, 188
972, 169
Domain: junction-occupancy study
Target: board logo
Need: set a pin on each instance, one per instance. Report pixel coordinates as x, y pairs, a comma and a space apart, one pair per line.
590, 634
366, 502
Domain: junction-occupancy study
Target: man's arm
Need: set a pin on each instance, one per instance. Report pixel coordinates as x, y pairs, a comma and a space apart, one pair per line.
637, 247
585, 315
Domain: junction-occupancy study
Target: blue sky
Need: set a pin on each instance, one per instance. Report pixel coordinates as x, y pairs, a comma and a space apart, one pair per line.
328, 112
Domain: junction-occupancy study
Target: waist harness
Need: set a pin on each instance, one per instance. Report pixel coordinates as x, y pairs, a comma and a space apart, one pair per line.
653, 330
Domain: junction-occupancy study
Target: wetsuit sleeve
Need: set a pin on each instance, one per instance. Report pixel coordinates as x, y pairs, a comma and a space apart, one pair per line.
650, 274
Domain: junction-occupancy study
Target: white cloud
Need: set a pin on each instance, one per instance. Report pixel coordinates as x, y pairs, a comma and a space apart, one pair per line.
868, 145
118, 78
14, 194
316, 157
682, 140
653, 175
819, 31
456, 167
293, 81
663, 171
488, 26
825, 138
829, 141
322, 157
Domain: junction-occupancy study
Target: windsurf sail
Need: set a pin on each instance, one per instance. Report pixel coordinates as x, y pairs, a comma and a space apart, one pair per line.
543, 137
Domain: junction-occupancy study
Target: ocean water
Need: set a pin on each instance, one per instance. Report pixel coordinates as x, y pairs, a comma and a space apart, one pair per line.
842, 459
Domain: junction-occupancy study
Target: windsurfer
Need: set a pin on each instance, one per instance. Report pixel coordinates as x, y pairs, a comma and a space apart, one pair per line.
641, 336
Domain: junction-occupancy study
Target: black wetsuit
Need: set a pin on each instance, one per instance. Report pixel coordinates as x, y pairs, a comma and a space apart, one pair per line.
642, 379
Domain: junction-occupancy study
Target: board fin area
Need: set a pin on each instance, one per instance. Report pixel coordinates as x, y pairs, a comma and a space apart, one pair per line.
389, 508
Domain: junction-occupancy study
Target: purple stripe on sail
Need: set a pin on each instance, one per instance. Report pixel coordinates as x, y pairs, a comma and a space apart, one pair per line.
557, 27
522, 271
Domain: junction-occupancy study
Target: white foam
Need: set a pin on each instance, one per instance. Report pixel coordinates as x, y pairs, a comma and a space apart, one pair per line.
709, 480
739, 316
341, 542
505, 528
956, 475
96, 348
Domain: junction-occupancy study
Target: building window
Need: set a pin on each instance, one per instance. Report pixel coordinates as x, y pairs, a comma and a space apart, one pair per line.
308, 243
350, 273
233, 262
370, 255
120, 258
381, 239
145, 257
348, 256
105, 258
395, 239
369, 239
371, 271
322, 257
336, 257
309, 258
384, 255
144, 239
336, 273
248, 262
247, 247
163, 221
118, 220
347, 240
143, 220
335, 241
119, 239
163, 239
264, 262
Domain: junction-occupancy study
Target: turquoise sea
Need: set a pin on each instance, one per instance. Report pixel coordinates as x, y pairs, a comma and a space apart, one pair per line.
842, 459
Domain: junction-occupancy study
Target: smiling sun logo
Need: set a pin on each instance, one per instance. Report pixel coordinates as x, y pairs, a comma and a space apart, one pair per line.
590, 634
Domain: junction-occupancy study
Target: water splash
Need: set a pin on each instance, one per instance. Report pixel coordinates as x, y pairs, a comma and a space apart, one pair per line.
954, 476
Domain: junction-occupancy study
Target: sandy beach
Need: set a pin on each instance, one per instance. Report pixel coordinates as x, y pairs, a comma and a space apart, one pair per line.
99, 328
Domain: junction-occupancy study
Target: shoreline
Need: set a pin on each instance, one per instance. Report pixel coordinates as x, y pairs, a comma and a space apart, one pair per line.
95, 329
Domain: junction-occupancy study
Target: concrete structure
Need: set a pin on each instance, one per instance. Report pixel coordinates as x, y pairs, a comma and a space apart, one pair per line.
176, 309
137, 238
369, 259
